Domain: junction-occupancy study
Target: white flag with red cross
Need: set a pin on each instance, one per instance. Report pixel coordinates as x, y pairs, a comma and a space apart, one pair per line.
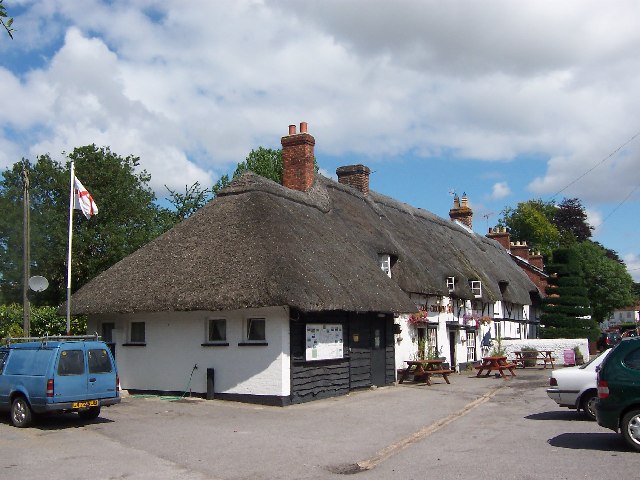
83, 199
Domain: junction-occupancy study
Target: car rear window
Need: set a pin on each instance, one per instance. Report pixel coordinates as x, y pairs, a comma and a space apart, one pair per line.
99, 361
28, 362
632, 360
71, 362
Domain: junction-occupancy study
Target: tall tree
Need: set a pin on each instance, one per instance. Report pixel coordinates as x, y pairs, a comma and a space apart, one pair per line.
609, 284
531, 221
128, 218
566, 304
570, 219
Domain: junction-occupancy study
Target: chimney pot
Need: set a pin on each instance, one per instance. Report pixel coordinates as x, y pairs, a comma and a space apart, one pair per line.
303, 127
292, 129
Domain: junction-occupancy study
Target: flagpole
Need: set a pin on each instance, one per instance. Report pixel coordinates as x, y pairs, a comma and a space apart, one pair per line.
71, 203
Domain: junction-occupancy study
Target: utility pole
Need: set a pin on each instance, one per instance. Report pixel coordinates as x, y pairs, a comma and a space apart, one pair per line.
26, 251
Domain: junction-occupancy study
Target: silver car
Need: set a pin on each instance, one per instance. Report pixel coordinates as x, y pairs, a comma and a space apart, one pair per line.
576, 387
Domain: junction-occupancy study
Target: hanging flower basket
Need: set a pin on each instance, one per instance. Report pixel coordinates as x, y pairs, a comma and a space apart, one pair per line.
419, 318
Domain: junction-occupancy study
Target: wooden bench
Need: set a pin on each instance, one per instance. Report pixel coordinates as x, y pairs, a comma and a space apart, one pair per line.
545, 358
426, 375
491, 366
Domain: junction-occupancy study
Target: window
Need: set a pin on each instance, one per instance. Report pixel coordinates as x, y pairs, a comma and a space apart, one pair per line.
217, 330
471, 346
385, 263
633, 360
137, 333
99, 361
256, 330
71, 362
107, 332
476, 288
451, 284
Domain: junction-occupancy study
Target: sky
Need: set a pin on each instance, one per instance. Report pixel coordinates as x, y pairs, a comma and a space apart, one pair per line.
504, 101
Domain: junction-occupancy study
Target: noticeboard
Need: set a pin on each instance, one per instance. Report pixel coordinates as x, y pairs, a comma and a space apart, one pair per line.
569, 357
324, 341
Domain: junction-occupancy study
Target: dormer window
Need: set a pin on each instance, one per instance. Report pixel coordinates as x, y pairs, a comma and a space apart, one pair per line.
385, 263
451, 284
476, 288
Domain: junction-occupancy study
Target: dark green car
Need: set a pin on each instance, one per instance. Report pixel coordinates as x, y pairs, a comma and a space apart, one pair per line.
618, 406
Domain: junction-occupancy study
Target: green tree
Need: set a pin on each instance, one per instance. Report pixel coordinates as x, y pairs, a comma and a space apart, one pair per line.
609, 284
128, 218
567, 302
6, 24
266, 162
531, 222
44, 321
187, 203
570, 219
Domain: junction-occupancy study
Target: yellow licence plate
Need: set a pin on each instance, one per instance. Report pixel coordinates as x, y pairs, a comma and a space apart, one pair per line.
85, 404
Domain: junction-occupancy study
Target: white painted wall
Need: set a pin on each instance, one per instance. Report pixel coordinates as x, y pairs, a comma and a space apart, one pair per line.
443, 310
173, 347
557, 345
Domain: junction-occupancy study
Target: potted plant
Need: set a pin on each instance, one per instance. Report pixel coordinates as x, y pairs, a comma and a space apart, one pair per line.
579, 357
530, 355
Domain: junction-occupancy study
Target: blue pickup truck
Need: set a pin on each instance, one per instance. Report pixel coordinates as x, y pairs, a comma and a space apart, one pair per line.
57, 374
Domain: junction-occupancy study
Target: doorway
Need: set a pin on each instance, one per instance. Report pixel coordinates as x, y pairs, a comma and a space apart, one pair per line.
378, 351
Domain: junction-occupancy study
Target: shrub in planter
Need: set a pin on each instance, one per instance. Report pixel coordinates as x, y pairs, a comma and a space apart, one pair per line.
529, 354
579, 357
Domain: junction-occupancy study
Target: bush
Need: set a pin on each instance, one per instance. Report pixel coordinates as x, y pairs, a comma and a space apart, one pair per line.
44, 321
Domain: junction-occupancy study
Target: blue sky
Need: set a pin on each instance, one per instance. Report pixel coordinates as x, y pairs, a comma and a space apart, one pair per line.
506, 101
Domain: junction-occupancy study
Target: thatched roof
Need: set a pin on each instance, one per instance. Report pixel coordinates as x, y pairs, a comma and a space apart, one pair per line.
260, 244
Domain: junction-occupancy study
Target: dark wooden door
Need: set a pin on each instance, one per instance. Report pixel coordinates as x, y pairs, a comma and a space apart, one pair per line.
378, 351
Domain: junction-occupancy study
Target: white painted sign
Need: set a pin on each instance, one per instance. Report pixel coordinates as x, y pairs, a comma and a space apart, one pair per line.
324, 341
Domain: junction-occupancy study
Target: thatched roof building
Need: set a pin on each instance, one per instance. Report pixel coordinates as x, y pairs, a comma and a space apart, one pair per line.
263, 244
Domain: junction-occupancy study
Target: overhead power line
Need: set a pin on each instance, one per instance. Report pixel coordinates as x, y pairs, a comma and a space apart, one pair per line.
597, 165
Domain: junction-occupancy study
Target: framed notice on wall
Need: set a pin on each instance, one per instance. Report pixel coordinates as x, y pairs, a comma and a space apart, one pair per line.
324, 341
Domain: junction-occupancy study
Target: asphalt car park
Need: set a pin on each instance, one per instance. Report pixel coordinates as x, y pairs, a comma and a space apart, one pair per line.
479, 427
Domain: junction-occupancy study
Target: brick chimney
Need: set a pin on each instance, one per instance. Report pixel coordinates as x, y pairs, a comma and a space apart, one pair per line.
500, 235
356, 176
537, 260
298, 159
461, 211
520, 249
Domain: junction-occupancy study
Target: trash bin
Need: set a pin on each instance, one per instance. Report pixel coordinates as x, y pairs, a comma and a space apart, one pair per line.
210, 383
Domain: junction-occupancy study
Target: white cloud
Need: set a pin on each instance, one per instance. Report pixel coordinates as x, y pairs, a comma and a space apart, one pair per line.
500, 190
192, 87
632, 261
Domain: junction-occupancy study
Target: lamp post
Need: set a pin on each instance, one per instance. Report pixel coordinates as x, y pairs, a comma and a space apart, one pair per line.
26, 253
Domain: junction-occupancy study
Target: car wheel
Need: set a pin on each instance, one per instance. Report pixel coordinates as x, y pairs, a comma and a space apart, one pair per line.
588, 404
21, 415
90, 413
631, 429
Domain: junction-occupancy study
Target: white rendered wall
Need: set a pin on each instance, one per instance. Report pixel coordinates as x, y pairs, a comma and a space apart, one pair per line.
174, 345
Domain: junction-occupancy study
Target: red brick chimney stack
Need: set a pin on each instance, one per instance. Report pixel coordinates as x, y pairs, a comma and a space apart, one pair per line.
356, 176
461, 211
520, 249
298, 159
501, 235
537, 260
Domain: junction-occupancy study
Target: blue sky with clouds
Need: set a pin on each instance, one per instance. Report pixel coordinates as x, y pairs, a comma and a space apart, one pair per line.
506, 101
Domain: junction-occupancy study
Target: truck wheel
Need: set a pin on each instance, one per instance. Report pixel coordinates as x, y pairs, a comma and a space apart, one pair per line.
90, 413
588, 404
21, 413
630, 428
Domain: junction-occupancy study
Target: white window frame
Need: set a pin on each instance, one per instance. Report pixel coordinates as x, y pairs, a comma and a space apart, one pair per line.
208, 339
247, 327
476, 288
451, 284
130, 332
384, 261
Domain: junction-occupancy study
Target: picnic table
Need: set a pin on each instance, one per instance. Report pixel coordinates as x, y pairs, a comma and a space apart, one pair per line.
423, 370
545, 356
498, 363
